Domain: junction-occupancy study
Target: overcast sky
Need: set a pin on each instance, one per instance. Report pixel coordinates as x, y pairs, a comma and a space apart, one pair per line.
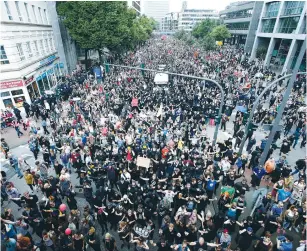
175, 5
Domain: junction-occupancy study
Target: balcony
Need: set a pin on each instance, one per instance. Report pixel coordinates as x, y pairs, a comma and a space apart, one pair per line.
238, 16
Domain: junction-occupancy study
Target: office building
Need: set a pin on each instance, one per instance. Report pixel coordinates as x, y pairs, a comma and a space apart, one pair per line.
136, 5
241, 19
188, 18
65, 45
170, 21
30, 63
280, 34
155, 9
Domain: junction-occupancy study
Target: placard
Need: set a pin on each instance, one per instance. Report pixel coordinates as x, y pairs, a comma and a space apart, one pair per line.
143, 162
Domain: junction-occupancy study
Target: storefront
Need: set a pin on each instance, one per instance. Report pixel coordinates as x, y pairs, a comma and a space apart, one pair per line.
13, 94
38, 78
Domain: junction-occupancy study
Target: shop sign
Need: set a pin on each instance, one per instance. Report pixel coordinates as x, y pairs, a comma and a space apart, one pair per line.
47, 60
44, 75
29, 80
38, 78
11, 84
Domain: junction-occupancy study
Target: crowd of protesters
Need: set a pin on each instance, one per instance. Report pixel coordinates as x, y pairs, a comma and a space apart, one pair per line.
150, 174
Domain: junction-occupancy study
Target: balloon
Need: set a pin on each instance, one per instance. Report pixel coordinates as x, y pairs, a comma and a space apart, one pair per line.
67, 230
62, 207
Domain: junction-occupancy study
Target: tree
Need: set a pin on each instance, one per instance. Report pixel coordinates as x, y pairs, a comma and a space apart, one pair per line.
219, 33
261, 52
181, 35
100, 24
202, 29
208, 43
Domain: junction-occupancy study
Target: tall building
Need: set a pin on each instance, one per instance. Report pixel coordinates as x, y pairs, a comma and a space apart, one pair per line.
30, 63
136, 5
65, 45
280, 34
170, 21
188, 18
155, 9
241, 19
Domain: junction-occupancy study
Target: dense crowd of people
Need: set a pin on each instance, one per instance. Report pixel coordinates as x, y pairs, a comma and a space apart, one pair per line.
145, 164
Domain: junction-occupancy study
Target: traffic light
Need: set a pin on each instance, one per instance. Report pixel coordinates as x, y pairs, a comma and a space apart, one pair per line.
143, 66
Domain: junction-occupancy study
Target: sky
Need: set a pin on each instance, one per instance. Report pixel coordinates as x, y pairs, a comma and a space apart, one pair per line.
175, 5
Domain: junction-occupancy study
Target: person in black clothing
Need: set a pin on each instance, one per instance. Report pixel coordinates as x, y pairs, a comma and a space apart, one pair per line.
5, 147
246, 238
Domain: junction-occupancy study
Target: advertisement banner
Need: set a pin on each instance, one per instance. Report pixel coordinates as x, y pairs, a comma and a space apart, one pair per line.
10, 84
97, 71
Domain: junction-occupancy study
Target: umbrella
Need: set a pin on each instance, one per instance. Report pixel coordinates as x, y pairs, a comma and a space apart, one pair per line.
241, 109
163, 37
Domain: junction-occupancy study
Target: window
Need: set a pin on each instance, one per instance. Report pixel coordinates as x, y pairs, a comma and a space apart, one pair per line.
47, 45
46, 17
40, 15
34, 14
293, 8
268, 25
20, 52
288, 25
18, 10
272, 9
51, 44
27, 11
3, 57
8, 10
41, 45
5, 94
36, 48
17, 92
30, 54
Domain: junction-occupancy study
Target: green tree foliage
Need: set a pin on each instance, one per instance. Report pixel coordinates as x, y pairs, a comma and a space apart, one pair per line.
181, 35
219, 33
261, 52
204, 28
208, 43
99, 24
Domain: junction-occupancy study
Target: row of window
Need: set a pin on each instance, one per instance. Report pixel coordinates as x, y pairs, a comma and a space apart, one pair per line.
291, 8
30, 49
33, 14
287, 25
238, 26
239, 14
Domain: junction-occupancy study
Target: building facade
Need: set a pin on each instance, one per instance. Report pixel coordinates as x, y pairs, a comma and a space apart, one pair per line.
65, 45
136, 5
280, 34
155, 9
188, 18
30, 63
170, 22
241, 19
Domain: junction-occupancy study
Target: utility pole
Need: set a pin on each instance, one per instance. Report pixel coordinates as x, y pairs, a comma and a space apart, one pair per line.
187, 76
283, 104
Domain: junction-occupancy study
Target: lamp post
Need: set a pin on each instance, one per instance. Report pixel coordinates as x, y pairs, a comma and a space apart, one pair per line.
283, 104
187, 76
280, 111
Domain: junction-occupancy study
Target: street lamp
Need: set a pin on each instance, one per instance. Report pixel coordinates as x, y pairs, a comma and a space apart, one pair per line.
281, 108
187, 76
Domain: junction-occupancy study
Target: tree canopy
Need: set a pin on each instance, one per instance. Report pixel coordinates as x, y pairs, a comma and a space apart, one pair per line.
99, 24
204, 28
219, 33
